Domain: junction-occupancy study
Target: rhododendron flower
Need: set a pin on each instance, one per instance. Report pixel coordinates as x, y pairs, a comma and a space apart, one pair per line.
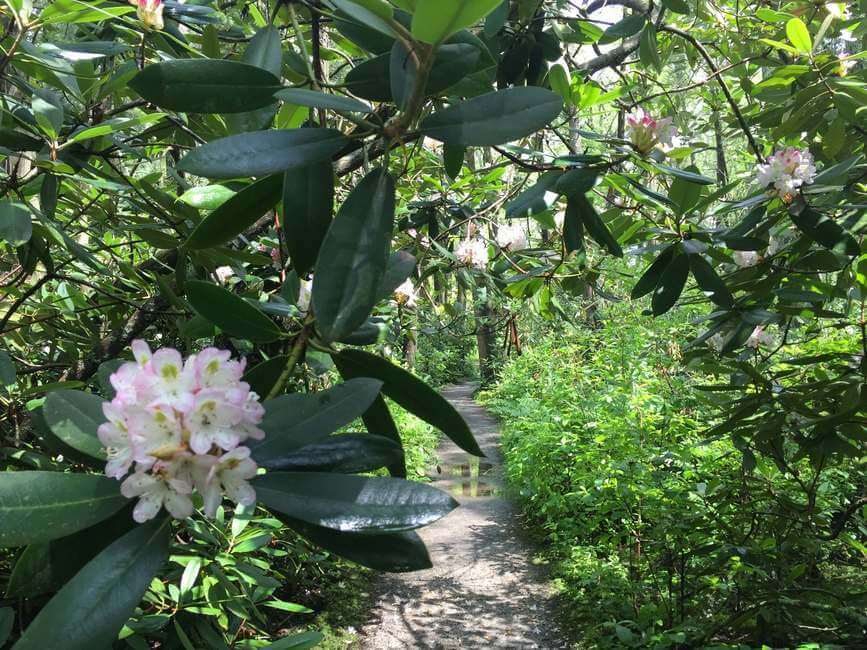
760, 338
746, 259
787, 170
646, 132
150, 12
180, 424
512, 237
223, 273
304, 295
473, 252
406, 294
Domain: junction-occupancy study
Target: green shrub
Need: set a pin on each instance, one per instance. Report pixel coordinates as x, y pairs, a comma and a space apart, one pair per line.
658, 537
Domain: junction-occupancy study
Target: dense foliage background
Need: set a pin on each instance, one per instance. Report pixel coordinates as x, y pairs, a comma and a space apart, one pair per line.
643, 219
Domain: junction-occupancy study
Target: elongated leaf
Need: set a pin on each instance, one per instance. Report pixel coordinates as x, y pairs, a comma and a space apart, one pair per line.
15, 225
494, 118
594, 225
349, 453
238, 213
352, 503
709, 282
263, 376
371, 79
670, 285
293, 421
653, 274
536, 198
692, 177
8, 373
452, 63
206, 86
300, 641
799, 35
573, 228
677, 6
353, 257
74, 416
435, 20
629, 26
397, 552
685, 194
378, 418
824, 230
231, 313
648, 47
89, 611
453, 159
41, 506
308, 203
262, 152
207, 197
315, 99
411, 393
576, 181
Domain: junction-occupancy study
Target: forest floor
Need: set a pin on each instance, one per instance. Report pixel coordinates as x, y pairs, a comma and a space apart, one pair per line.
483, 590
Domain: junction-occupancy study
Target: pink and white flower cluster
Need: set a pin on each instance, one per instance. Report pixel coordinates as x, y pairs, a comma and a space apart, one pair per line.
512, 236
787, 170
150, 12
179, 426
645, 132
473, 252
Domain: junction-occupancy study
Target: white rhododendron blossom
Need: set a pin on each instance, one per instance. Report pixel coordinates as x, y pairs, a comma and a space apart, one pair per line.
473, 252
304, 295
223, 273
179, 427
512, 237
150, 12
787, 170
406, 294
746, 259
646, 132
760, 338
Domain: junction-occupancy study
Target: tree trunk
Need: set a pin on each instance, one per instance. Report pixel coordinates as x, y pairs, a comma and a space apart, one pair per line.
484, 334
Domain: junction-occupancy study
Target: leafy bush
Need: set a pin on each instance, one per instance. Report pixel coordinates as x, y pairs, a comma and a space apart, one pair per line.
659, 537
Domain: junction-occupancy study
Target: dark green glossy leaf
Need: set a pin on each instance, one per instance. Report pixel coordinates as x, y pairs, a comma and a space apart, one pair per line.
74, 416
41, 506
299, 641
653, 274
206, 86
594, 225
353, 257
677, 6
352, 503
349, 453
629, 26
367, 334
377, 418
535, 198
308, 203
648, 47
89, 611
685, 194
397, 552
494, 118
411, 393
371, 79
262, 377
709, 282
8, 373
316, 99
299, 419
824, 230
576, 181
231, 313
435, 20
262, 152
453, 159
670, 284
237, 213
15, 225
573, 228
453, 62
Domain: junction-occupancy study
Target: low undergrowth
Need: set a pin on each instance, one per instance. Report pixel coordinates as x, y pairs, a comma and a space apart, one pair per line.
658, 538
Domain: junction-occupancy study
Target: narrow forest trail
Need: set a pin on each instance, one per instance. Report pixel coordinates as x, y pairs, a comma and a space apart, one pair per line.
483, 591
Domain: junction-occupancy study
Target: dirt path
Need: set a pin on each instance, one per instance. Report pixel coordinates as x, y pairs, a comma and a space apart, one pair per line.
482, 591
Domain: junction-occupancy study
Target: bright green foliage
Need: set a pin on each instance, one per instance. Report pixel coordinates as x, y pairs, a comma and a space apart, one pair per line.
659, 536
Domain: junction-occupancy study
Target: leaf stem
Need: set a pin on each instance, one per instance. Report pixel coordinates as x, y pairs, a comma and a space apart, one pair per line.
294, 357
